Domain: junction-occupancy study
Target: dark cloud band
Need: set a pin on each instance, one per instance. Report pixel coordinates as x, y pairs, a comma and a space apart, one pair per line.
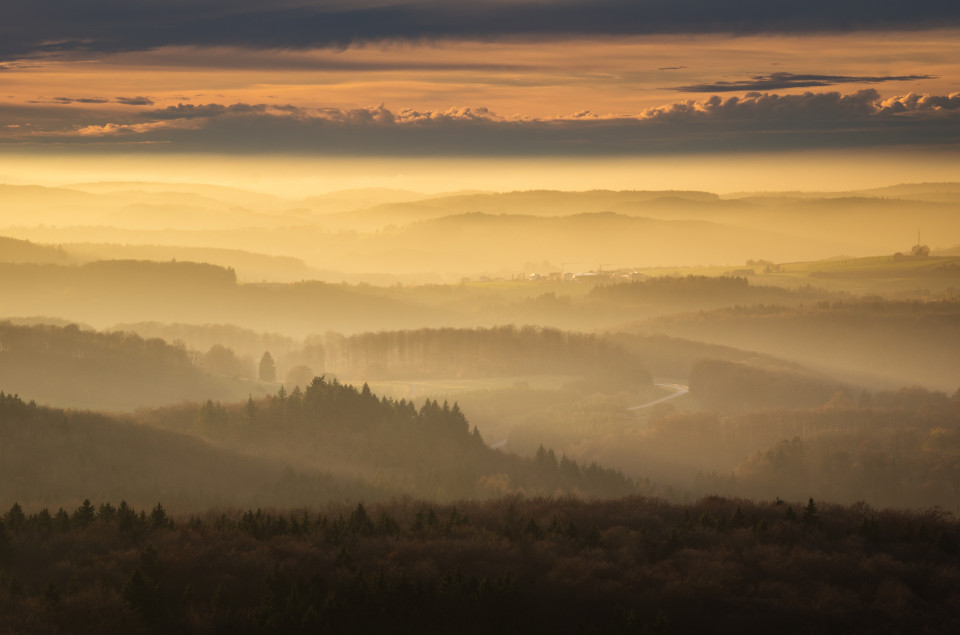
780, 81
135, 101
755, 122
115, 25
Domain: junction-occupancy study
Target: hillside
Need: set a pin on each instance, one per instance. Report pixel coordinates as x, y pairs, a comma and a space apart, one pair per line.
14, 250
51, 458
111, 291
67, 366
200, 455
430, 451
881, 343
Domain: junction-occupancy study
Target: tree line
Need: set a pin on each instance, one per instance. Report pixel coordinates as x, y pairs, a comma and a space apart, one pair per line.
427, 450
67, 365
515, 565
480, 352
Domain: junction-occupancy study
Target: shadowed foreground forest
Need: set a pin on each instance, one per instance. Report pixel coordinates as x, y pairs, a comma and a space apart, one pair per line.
516, 565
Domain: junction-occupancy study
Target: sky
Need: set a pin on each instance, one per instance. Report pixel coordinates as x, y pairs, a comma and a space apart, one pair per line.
605, 93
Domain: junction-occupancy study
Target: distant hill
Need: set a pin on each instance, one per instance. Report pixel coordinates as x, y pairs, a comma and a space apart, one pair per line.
348, 200
726, 386
150, 208
203, 454
936, 192
675, 357
428, 451
401, 234
67, 366
533, 203
488, 242
15, 250
196, 191
890, 191
484, 352
112, 291
949, 251
252, 267
56, 458
874, 342
201, 337
14, 196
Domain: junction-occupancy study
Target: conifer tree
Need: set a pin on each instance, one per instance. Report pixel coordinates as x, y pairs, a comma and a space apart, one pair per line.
268, 369
85, 514
15, 518
811, 515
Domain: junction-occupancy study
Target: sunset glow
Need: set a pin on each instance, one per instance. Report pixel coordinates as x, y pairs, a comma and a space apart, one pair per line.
492, 317
574, 88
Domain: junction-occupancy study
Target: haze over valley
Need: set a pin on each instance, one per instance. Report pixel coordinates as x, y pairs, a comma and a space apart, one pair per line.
517, 317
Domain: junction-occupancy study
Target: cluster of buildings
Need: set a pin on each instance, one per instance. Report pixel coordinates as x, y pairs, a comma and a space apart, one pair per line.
584, 276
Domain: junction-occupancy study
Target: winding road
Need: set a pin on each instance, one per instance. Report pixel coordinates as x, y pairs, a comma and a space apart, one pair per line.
678, 390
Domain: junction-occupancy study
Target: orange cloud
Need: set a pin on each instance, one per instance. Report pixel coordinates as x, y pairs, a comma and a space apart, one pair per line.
114, 129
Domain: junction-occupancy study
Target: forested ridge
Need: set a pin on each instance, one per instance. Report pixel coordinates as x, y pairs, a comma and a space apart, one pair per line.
517, 565
51, 456
724, 386
111, 291
429, 450
67, 365
897, 448
328, 441
701, 291
121, 370
503, 350
889, 341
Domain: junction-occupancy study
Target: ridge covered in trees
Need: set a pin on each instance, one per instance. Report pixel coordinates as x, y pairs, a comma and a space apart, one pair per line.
70, 366
885, 342
327, 441
480, 352
429, 451
700, 291
56, 457
517, 565
119, 370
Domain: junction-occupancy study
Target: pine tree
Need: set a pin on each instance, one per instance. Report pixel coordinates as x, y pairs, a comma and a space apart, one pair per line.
62, 520
85, 514
811, 515
106, 512
250, 411
268, 369
159, 520
14, 518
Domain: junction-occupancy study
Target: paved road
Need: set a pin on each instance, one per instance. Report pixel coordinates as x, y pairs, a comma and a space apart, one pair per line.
677, 389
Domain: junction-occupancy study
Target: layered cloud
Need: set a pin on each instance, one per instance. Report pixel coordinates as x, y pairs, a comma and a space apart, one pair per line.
779, 81
915, 102
755, 121
62, 26
127, 101
135, 101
